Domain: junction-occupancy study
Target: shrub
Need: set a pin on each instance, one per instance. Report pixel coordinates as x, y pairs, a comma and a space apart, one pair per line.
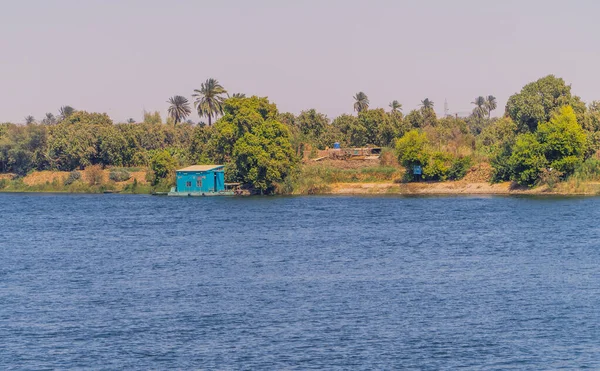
119, 175
459, 168
73, 177
94, 175
437, 167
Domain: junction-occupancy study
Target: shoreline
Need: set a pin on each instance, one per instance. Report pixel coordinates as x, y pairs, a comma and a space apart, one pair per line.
448, 188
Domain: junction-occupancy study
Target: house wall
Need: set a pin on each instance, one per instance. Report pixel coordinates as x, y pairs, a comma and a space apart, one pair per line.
188, 181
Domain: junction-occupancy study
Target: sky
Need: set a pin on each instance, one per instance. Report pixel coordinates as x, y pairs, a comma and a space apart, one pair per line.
126, 56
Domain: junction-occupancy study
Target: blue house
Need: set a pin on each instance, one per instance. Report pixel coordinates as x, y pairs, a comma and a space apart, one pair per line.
200, 180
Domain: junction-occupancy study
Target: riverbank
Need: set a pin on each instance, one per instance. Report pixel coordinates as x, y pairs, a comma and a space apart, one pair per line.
322, 178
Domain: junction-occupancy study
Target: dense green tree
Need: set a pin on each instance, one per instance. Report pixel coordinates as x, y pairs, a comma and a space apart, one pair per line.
311, 123
378, 127
415, 119
354, 133
179, 108
411, 150
563, 140
256, 145
361, 102
162, 165
152, 118
538, 100
209, 99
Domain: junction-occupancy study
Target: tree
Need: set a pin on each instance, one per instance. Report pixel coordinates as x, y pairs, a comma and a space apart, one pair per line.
29, 120
379, 130
65, 111
179, 108
312, 123
162, 165
412, 149
490, 105
130, 121
238, 95
49, 119
361, 102
563, 140
209, 99
395, 106
537, 101
426, 103
481, 109
254, 143
527, 159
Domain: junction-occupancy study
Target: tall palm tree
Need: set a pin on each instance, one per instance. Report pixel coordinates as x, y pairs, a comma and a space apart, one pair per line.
179, 108
65, 112
361, 102
29, 119
49, 119
490, 104
395, 106
209, 99
426, 103
480, 110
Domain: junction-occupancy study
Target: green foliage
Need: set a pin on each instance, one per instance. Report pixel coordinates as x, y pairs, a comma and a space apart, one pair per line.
526, 160
254, 143
152, 118
494, 136
179, 108
119, 175
564, 141
162, 165
412, 151
538, 100
459, 167
209, 99
437, 167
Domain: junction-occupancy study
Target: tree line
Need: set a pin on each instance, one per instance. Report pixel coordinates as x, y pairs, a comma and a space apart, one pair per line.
546, 132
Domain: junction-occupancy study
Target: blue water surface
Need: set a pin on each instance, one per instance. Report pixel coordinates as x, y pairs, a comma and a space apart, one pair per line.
142, 282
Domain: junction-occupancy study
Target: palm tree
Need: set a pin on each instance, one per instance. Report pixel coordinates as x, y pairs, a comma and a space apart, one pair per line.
238, 95
130, 120
209, 99
65, 112
49, 119
29, 119
395, 106
361, 102
179, 108
426, 103
490, 104
480, 110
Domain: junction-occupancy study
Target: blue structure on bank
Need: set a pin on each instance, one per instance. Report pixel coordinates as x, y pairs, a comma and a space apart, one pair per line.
201, 179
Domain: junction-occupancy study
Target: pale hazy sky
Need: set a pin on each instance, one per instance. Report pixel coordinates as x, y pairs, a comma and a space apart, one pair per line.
124, 56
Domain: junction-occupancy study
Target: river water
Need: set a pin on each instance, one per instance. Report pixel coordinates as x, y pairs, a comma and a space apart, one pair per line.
141, 282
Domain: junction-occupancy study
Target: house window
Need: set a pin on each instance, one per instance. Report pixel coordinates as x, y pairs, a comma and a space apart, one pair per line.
199, 183
188, 184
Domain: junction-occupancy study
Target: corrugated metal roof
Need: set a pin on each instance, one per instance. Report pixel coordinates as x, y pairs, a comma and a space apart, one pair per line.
201, 168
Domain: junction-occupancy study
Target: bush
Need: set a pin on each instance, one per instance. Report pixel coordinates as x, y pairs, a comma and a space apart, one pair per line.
94, 175
437, 167
119, 175
73, 177
459, 168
